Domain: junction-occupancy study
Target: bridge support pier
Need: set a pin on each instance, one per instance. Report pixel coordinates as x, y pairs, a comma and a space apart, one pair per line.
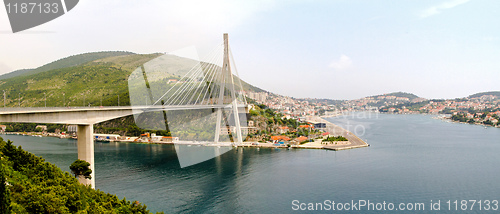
86, 150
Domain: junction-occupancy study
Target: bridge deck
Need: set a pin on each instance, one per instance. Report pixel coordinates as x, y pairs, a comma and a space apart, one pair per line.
88, 115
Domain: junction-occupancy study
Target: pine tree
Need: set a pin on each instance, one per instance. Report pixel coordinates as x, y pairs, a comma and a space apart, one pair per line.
81, 167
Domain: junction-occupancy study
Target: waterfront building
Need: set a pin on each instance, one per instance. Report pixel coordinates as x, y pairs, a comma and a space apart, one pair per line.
170, 139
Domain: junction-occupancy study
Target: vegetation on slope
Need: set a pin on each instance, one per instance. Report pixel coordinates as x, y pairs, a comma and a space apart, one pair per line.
411, 106
31, 127
102, 82
494, 93
66, 62
28, 184
90, 83
399, 94
95, 83
16, 73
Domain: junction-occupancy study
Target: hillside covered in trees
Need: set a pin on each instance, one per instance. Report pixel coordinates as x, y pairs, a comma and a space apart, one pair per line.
66, 62
28, 184
397, 94
85, 84
87, 79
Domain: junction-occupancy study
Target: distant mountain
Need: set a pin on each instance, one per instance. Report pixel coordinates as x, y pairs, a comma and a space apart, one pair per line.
494, 93
399, 94
66, 62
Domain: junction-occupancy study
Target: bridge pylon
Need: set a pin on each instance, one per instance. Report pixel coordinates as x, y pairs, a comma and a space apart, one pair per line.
85, 146
227, 78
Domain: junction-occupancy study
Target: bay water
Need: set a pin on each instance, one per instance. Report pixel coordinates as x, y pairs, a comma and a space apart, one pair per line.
411, 159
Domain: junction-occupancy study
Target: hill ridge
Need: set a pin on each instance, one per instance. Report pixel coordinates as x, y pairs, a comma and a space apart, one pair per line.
398, 94
65, 62
94, 83
479, 94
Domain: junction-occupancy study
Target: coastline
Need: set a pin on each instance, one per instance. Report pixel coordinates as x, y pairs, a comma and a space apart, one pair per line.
352, 143
449, 120
446, 118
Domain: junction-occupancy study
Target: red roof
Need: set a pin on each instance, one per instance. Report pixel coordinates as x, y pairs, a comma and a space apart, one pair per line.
325, 133
285, 138
301, 138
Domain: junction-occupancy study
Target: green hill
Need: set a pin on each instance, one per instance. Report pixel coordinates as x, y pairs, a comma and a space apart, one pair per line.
98, 82
91, 82
66, 62
399, 94
494, 93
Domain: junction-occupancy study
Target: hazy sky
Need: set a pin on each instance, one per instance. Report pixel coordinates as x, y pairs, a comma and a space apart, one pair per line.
324, 49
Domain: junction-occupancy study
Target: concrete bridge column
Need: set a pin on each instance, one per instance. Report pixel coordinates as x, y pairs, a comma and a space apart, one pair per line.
86, 150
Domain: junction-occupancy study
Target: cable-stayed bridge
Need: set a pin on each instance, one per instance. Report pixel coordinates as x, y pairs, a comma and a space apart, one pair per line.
208, 98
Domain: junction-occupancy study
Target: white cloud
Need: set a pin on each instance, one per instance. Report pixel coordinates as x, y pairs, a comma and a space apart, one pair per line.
343, 63
439, 8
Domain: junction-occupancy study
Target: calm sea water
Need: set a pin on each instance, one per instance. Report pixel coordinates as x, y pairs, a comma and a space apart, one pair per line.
412, 159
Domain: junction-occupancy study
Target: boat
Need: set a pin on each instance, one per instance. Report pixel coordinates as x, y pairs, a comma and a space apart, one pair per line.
101, 139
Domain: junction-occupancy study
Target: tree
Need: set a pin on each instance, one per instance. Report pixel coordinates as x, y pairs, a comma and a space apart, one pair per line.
488, 122
81, 167
163, 133
4, 192
134, 130
254, 113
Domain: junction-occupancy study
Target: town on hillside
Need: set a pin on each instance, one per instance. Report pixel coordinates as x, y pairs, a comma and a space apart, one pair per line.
481, 108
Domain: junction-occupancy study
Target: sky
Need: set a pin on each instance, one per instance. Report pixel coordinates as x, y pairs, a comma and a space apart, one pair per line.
336, 49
